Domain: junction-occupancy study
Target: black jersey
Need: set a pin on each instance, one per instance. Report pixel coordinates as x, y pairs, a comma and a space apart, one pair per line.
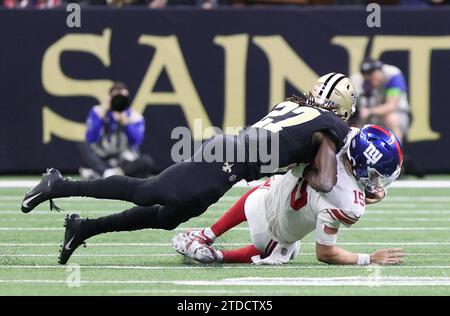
289, 129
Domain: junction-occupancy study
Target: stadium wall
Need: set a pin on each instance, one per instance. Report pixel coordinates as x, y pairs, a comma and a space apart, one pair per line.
225, 67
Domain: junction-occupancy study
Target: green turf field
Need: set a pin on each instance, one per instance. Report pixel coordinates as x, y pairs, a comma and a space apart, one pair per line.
143, 263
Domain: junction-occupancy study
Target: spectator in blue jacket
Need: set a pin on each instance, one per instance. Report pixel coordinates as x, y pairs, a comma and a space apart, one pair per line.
383, 96
113, 136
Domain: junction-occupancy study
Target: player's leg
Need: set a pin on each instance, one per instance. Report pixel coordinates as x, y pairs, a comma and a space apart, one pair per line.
145, 192
78, 230
250, 207
241, 255
231, 218
262, 242
162, 189
254, 209
184, 183
208, 254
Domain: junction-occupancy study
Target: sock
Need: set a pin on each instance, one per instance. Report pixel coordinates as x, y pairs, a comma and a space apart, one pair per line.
135, 218
132, 219
241, 255
115, 187
233, 217
143, 192
208, 233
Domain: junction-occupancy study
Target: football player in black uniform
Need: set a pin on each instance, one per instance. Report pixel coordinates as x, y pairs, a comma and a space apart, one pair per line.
303, 129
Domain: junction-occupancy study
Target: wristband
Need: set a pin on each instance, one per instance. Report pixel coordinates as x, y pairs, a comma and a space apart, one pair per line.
363, 259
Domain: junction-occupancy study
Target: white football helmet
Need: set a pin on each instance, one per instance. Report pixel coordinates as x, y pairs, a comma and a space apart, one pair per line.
335, 92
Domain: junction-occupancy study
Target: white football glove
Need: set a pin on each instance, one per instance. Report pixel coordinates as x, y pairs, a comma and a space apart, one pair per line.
281, 254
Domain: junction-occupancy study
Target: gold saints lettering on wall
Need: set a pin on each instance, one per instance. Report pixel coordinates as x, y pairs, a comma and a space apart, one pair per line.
285, 65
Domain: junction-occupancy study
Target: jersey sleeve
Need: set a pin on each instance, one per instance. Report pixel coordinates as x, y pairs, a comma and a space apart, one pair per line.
325, 219
396, 85
333, 218
135, 130
337, 131
348, 218
94, 125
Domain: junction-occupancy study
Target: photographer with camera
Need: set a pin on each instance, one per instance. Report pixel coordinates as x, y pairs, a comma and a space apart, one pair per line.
113, 136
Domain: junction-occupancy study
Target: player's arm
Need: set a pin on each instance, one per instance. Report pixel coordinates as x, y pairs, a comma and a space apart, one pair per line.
337, 255
322, 174
326, 250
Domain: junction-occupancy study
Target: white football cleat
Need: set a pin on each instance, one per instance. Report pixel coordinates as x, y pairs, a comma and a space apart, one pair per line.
203, 253
183, 241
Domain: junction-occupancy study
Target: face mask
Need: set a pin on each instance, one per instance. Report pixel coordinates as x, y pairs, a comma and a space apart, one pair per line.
376, 182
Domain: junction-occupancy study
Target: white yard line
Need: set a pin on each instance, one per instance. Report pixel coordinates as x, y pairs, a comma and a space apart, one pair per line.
426, 184
157, 255
337, 281
397, 184
353, 229
227, 244
215, 291
365, 219
409, 212
421, 198
168, 268
232, 198
255, 281
108, 244
214, 214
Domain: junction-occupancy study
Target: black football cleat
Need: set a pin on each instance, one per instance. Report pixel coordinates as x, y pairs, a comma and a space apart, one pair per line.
41, 192
72, 237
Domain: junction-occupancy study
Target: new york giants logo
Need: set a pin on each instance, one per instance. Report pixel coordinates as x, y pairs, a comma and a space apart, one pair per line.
372, 154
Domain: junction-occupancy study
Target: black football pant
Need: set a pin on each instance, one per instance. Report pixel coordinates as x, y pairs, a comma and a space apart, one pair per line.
182, 191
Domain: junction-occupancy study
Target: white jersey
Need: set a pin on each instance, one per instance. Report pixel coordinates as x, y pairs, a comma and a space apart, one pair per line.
294, 209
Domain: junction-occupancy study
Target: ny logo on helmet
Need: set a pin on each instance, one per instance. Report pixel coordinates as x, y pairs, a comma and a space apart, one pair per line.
372, 154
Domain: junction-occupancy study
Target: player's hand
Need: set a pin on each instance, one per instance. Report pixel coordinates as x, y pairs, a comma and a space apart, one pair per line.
374, 197
266, 261
388, 256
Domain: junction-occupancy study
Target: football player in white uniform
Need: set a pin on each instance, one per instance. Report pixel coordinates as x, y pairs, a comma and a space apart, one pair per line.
283, 210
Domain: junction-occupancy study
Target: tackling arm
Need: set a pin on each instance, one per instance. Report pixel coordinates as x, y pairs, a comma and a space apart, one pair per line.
322, 175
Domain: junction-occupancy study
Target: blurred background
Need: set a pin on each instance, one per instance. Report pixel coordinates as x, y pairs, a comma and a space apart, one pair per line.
99, 93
